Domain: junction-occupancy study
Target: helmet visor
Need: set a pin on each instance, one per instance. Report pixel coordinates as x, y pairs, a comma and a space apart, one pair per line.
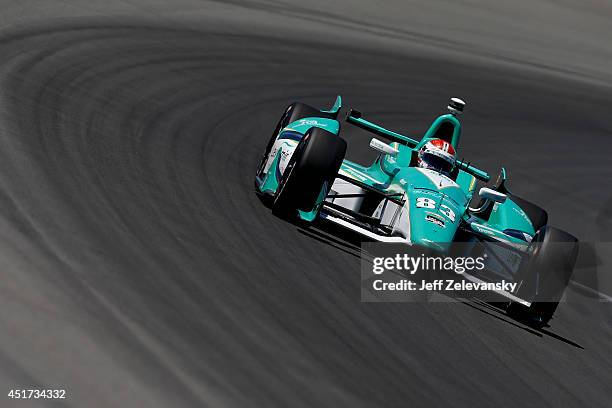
431, 161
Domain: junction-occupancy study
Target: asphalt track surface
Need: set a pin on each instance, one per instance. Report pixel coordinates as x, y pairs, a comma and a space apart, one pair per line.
138, 268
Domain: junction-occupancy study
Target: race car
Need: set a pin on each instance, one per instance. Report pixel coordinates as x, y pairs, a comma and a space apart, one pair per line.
416, 193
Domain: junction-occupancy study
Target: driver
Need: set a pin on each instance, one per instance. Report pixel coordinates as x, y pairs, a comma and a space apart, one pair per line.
437, 155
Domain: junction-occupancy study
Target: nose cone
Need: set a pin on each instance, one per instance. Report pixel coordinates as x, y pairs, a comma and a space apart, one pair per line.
431, 246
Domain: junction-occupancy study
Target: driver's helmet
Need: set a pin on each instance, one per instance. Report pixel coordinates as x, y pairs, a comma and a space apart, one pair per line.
437, 155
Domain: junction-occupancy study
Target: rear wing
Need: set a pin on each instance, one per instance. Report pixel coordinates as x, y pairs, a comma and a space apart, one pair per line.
354, 117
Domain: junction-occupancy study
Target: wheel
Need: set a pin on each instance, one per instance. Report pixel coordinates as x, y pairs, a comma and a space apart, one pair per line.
546, 274
312, 166
294, 112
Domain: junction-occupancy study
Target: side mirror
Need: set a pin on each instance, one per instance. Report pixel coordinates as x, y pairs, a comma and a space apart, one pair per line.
490, 194
382, 147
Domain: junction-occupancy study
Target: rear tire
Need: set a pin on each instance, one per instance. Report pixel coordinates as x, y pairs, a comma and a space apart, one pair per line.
313, 166
546, 275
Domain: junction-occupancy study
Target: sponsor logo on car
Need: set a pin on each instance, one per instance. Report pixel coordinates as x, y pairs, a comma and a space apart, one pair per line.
435, 220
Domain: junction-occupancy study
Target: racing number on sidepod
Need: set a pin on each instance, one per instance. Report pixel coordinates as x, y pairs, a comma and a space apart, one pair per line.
448, 212
426, 202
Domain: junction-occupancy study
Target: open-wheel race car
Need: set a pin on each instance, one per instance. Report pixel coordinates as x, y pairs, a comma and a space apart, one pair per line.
416, 192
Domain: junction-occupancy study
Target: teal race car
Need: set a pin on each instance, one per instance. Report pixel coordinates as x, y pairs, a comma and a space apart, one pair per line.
303, 173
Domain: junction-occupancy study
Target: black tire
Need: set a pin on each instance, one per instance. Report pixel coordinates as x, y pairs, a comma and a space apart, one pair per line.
315, 161
537, 215
295, 111
546, 275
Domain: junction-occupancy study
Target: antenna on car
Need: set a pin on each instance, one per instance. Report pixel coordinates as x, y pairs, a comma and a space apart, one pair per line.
455, 106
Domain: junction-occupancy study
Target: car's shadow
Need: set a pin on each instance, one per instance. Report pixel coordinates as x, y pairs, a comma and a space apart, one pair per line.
498, 312
333, 235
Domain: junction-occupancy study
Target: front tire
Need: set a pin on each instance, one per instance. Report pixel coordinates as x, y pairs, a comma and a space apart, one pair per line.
295, 111
312, 168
